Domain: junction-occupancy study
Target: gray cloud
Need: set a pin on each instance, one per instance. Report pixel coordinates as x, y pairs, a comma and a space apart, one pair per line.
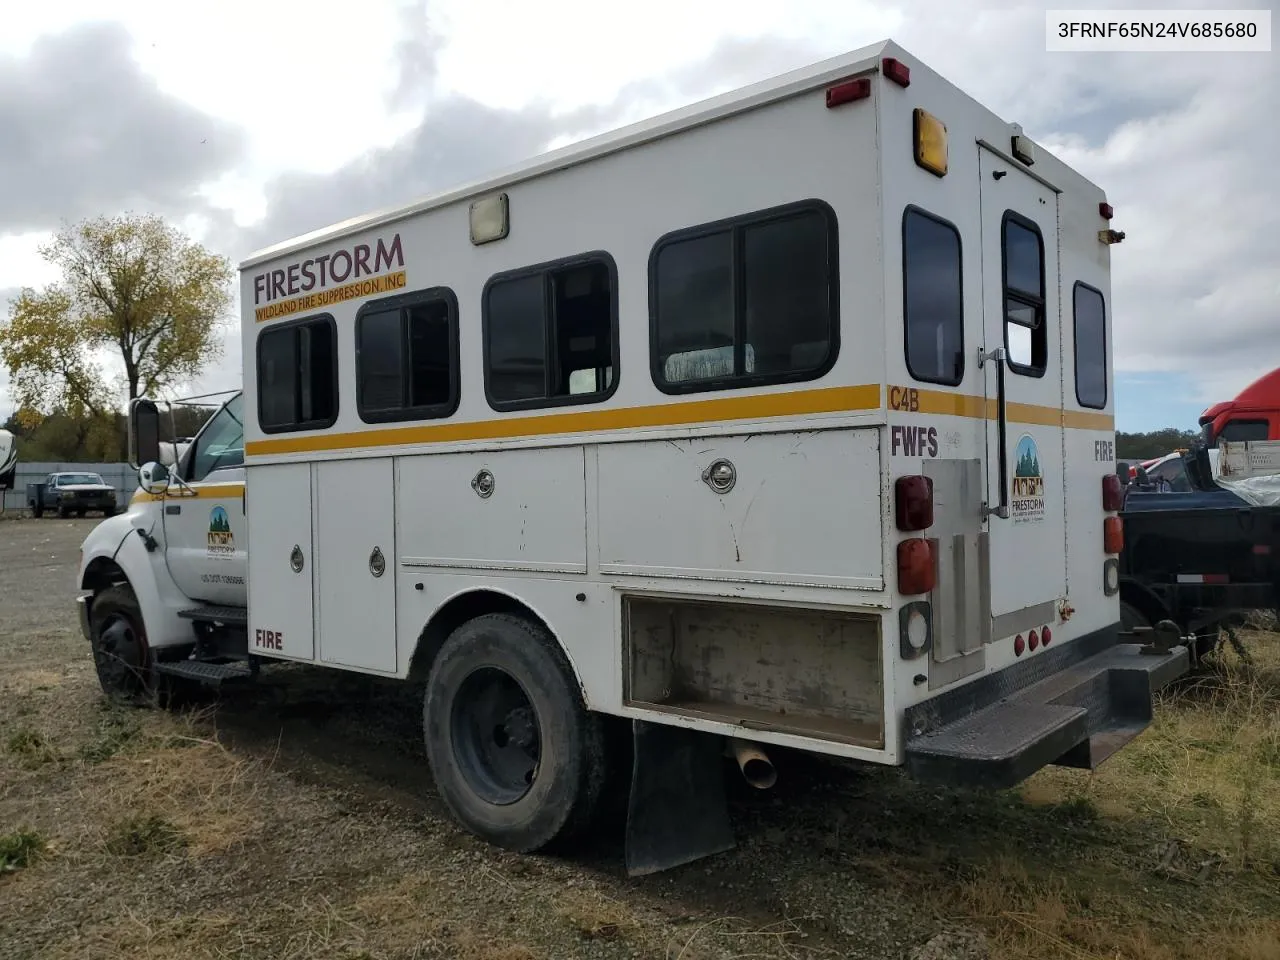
85, 131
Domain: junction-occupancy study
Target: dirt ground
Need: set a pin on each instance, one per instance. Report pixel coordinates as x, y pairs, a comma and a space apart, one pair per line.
297, 819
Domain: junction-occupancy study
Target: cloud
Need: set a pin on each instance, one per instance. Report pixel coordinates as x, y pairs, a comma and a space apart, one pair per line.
85, 131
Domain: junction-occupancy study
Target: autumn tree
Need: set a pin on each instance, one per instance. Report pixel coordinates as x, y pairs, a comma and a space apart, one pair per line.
133, 287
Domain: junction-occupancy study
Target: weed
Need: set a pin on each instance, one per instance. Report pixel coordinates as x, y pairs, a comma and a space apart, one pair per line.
31, 748
139, 836
115, 730
20, 849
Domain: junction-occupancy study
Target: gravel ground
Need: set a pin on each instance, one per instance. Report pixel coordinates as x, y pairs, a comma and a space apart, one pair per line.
298, 819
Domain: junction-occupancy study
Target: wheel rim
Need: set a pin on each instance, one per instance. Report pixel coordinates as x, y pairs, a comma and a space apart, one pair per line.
121, 653
495, 736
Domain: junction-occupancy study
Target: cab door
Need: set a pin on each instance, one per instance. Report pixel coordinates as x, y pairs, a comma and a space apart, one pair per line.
1026, 509
204, 521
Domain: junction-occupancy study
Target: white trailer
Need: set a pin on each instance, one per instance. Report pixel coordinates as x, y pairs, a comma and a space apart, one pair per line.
781, 420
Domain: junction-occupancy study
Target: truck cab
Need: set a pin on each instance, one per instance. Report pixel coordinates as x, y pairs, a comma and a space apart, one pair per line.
1253, 415
171, 569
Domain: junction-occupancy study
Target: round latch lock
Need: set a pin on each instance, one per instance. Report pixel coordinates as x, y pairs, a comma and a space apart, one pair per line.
720, 476
483, 484
295, 559
377, 562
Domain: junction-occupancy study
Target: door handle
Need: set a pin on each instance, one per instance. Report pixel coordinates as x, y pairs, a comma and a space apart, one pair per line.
1002, 431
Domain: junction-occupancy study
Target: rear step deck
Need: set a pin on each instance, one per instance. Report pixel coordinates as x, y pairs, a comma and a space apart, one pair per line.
1073, 706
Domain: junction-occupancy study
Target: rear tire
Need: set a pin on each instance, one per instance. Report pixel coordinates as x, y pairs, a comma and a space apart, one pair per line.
37, 510
516, 756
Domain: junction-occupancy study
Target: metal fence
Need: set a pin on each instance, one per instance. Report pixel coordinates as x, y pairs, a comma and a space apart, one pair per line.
120, 475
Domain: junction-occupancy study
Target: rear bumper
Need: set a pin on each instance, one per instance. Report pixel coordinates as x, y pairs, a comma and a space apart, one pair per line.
1072, 706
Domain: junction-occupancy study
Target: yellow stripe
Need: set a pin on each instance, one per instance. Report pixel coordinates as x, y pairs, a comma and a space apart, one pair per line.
796, 403
680, 413
214, 491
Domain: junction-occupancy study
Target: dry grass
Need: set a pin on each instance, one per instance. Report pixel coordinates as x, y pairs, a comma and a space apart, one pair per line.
299, 822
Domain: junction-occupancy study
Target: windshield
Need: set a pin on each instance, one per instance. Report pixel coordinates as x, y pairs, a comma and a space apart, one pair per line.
68, 479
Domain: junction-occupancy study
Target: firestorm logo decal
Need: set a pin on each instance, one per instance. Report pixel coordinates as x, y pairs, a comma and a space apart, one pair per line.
360, 271
1027, 496
222, 544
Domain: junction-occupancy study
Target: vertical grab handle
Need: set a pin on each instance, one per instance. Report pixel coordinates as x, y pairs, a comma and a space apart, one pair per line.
1002, 431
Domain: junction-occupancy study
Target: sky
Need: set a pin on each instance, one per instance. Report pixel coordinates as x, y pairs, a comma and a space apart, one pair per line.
247, 123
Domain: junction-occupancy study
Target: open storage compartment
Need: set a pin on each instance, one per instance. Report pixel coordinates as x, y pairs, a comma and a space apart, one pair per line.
810, 672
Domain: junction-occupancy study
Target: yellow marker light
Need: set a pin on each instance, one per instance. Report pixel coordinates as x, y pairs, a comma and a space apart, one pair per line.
931, 142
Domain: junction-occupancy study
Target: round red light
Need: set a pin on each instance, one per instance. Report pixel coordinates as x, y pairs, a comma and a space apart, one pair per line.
1045, 635
1033, 640
1018, 645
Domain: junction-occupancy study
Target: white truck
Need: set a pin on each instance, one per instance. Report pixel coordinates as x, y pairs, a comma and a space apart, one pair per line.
8, 464
781, 420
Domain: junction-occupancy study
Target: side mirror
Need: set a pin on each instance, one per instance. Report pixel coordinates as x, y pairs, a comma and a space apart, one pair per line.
1122, 471
144, 433
1142, 476
153, 478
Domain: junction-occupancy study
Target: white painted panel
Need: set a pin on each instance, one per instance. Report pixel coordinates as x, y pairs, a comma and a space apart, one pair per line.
354, 517
805, 508
534, 520
278, 510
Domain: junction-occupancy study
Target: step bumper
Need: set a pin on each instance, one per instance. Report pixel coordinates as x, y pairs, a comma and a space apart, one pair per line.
1073, 707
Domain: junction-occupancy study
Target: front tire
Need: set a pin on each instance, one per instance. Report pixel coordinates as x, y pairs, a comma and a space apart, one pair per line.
515, 754
118, 638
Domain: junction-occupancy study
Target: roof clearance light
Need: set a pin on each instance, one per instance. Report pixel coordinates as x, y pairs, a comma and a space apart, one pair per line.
931, 142
897, 71
490, 219
848, 92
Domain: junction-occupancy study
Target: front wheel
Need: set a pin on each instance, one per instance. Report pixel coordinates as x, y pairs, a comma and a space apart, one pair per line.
516, 756
119, 641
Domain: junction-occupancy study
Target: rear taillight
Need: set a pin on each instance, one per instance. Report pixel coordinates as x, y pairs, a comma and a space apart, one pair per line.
1112, 535
1112, 492
1033, 640
916, 573
913, 503
1019, 645
1045, 635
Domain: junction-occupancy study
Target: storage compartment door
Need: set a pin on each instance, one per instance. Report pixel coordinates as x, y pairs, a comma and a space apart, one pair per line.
355, 576
280, 562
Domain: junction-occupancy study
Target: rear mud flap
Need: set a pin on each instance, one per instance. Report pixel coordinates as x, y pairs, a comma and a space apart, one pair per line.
677, 811
1075, 716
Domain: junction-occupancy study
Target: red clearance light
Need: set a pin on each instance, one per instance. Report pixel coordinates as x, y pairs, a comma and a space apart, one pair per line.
1112, 492
1018, 645
1033, 640
916, 571
1106, 210
897, 71
913, 503
1045, 635
1113, 535
848, 91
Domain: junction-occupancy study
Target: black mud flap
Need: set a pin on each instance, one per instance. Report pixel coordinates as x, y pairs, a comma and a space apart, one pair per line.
1073, 706
677, 811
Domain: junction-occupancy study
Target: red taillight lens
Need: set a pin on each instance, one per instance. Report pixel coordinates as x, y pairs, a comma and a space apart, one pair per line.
1018, 645
1106, 211
1033, 640
1046, 635
913, 503
1112, 535
1112, 492
915, 566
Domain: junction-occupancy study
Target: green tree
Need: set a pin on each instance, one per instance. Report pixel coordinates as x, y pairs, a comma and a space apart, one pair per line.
131, 285
1147, 446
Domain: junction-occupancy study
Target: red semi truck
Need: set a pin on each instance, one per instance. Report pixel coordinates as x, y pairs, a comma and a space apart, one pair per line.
1253, 415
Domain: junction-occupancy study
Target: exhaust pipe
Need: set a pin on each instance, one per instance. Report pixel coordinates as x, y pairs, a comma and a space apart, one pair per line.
757, 769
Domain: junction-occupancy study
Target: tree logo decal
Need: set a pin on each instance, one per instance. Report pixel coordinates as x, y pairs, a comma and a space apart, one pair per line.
221, 543
1027, 497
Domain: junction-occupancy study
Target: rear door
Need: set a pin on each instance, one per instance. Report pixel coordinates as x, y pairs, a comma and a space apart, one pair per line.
1024, 470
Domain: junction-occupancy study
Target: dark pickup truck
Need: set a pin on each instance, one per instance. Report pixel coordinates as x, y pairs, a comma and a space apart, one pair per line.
71, 493
1198, 555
